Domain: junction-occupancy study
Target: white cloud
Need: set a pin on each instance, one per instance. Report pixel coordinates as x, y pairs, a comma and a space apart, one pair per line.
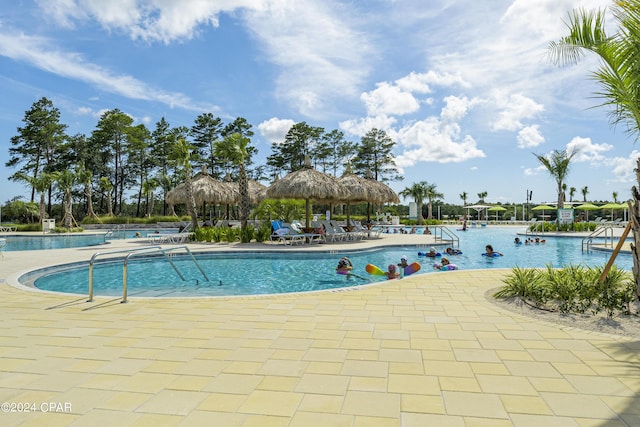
515, 108
361, 126
530, 136
622, 168
275, 129
438, 139
587, 151
322, 57
149, 20
39, 53
389, 100
534, 171
398, 98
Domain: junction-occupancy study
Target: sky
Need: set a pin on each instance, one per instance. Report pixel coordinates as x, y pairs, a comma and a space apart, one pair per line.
464, 88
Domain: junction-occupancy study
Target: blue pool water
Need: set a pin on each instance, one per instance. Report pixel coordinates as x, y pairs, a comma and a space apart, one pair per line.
130, 233
51, 241
267, 272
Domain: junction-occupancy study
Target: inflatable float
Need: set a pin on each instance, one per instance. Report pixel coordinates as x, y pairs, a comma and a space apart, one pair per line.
377, 271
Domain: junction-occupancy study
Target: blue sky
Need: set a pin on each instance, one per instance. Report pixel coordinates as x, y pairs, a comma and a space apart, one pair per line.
463, 87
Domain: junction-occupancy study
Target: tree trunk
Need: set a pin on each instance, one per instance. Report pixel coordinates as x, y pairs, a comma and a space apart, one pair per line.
89, 194
244, 197
634, 217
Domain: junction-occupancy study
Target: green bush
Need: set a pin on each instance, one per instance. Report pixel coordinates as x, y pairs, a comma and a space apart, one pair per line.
263, 233
247, 234
572, 289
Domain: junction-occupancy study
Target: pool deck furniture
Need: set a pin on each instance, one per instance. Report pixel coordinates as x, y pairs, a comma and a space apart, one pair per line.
425, 350
7, 229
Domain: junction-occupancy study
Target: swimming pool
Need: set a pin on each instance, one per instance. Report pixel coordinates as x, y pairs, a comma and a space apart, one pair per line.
242, 273
19, 242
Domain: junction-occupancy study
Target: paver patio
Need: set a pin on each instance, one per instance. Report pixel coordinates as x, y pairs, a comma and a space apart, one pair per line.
425, 350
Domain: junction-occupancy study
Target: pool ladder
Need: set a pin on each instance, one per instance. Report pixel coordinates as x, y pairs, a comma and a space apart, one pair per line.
144, 251
608, 237
440, 232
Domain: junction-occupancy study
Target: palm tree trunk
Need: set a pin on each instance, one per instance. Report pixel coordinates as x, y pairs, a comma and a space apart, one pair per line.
191, 203
634, 217
244, 196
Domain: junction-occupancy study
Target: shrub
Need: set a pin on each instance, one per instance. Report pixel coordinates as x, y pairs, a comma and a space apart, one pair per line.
572, 289
263, 232
247, 234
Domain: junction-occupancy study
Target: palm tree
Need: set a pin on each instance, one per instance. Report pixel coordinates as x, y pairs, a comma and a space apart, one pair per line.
234, 149
617, 75
40, 184
181, 154
65, 180
464, 196
85, 176
557, 164
615, 197
432, 194
148, 187
106, 186
481, 196
572, 192
584, 191
418, 192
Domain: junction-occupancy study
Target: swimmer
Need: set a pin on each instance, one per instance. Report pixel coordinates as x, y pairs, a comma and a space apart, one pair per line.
445, 265
432, 253
344, 265
451, 251
517, 241
391, 272
403, 262
490, 252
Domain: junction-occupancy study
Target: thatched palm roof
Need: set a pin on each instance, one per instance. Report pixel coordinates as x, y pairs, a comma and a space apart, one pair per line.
307, 184
205, 190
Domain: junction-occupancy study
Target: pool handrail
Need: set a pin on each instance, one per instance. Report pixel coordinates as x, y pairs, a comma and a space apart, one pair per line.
164, 252
97, 254
608, 238
443, 230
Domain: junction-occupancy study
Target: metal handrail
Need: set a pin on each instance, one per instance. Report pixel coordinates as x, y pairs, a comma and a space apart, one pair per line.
164, 252
596, 233
117, 251
439, 237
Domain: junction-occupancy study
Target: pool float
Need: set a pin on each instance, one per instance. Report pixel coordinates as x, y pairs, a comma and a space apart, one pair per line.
427, 254
445, 267
377, 271
493, 255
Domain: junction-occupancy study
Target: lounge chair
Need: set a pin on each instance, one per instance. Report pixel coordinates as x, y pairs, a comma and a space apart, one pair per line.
331, 233
359, 231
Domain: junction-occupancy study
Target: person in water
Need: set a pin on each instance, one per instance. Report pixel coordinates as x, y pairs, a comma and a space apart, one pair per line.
490, 252
432, 253
344, 265
403, 262
451, 251
517, 241
445, 265
392, 272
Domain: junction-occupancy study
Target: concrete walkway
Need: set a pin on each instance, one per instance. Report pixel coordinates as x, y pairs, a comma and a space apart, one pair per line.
428, 350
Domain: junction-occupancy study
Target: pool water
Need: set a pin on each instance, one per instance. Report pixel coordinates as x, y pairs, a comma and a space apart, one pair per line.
51, 241
241, 273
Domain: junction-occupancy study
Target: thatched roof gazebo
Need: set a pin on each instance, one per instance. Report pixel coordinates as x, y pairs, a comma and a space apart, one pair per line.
308, 184
205, 190
359, 190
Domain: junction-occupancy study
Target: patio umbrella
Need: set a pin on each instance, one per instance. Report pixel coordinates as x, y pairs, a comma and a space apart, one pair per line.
496, 209
205, 190
358, 189
613, 206
587, 207
543, 208
478, 208
308, 184
380, 192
